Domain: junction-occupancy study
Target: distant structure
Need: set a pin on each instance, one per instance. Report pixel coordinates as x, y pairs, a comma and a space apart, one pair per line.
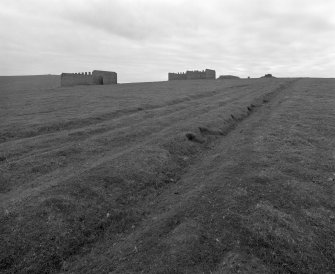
192, 75
97, 77
268, 76
223, 77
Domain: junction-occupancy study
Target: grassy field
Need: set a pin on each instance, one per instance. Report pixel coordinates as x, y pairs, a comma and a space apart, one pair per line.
232, 176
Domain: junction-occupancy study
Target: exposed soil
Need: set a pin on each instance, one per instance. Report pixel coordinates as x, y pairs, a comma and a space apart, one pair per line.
171, 177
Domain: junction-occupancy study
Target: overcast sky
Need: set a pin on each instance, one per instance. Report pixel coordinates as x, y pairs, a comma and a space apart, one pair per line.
142, 40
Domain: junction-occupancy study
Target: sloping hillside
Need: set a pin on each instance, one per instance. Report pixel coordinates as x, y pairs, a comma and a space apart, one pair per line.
169, 177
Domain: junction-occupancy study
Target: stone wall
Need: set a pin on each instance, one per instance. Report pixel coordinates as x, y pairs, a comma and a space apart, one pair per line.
108, 77
210, 74
192, 75
97, 77
73, 79
195, 74
177, 76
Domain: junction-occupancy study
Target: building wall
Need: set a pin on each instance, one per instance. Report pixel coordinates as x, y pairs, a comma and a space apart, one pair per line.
210, 74
97, 77
177, 76
191, 75
108, 77
73, 79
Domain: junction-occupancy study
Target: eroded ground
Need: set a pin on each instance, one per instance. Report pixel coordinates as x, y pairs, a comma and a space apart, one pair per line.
104, 179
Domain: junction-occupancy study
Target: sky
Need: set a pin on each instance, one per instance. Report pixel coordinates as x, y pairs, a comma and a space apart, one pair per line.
143, 40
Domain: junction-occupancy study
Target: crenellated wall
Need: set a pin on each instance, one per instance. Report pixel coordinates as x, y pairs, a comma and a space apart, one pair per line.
195, 74
177, 76
192, 75
97, 77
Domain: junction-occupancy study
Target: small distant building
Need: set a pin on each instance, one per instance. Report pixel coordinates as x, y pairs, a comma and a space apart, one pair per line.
192, 75
268, 76
97, 77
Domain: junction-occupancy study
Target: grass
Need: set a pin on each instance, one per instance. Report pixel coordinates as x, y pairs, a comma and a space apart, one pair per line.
119, 187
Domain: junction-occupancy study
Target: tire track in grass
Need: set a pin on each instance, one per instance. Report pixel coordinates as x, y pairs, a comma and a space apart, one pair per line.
7, 136
107, 130
121, 120
158, 225
163, 131
148, 129
169, 236
84, 135
104, 165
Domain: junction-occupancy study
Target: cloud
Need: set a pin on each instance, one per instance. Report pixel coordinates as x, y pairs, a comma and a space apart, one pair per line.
144, 39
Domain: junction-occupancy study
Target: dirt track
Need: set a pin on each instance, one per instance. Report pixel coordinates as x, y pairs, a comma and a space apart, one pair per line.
125, 191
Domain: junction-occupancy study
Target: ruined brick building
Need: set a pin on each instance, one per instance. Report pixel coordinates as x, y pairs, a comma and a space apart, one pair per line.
97, 77
191, 75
